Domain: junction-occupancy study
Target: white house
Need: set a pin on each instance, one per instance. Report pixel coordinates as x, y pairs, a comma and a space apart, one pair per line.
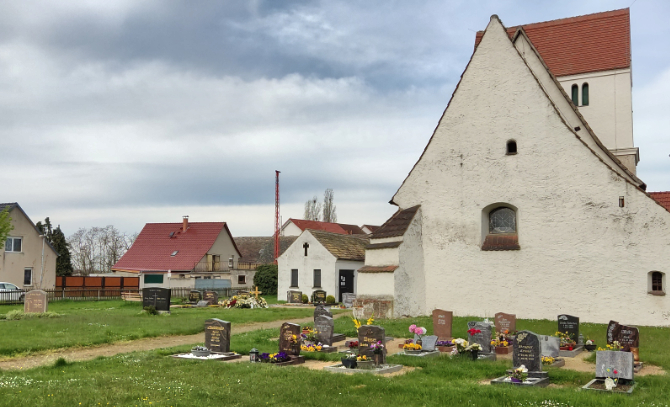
517, 204
294, 227
319, 260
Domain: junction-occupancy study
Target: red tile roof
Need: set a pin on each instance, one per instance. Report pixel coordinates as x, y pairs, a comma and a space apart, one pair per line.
590, 43
339, 228
153, 247
662, 198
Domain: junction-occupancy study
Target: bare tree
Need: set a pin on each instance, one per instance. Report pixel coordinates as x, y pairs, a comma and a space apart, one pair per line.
96, 250
329, 207
312, 209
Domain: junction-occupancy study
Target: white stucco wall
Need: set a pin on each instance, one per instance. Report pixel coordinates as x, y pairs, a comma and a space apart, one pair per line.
381, 257
581, 254
291, 229
410, 276
375, 285
317, 258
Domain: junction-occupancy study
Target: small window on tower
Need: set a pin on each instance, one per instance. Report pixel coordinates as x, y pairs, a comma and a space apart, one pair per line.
656, 283
585, 94
511, 147
575, 94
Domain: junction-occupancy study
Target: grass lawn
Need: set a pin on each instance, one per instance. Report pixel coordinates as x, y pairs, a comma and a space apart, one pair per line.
96, 322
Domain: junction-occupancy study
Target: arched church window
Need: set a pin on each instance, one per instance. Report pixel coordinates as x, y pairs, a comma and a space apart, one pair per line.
502, 220
575, 94
511, 147
585, 94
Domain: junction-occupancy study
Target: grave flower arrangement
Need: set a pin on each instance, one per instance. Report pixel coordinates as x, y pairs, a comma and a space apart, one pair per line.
590, 345
353, 344
475, 347
358, 323
519, 374
245, 301
411, 346
274, 357
473, 331
361, 358
614, 346
311, 348
461, 345
309, 336
548, 360
567, 342
377, 348
444, 343
417, 330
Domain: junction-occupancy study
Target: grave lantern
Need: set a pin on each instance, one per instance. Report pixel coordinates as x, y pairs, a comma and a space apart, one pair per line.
253, 355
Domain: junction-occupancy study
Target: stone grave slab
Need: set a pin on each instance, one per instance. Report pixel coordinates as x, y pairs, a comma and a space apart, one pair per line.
386, 369
323, 325
348, 299
156, 297
202, 304
551, 345
286, 333
505, 322
35, 301
368, 334
217, 335
194, 296
621, 362
319, 297
212, 297
569, 324
442, 321
421, 354
483, 338
213, 356
529, 382
294, 297
429, 342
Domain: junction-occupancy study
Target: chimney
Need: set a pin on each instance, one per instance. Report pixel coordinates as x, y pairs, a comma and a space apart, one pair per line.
185, 225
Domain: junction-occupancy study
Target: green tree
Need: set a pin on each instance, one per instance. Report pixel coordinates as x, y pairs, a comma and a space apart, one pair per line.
56, 238
266, 278
6, 226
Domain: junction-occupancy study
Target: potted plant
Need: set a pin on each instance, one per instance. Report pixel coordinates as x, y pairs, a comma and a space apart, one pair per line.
519, 374
349, 361
352, 344
200, 351
378, 351
418, 331
567, 341
502, 346
590, 345
309, 337
445, 346
474, 350
412, 348
363, 362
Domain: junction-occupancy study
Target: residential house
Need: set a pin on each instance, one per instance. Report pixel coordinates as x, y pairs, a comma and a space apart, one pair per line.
294, 227
28, 259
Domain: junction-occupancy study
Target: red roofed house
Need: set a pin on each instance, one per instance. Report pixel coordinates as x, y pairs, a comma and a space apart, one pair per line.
662, 198
294, 227
190, 251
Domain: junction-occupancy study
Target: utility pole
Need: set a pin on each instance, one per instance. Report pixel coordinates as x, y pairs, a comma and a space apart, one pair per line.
276, 216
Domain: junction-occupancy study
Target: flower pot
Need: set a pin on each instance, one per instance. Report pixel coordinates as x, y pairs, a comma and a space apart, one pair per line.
377, 358
474, 354
201, 353
590, 348
503, 350
412, 351
349, 363
515, 380
419, 342
365, 364
446, 349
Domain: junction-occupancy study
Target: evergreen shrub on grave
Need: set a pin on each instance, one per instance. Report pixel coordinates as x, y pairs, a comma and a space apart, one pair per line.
266, 278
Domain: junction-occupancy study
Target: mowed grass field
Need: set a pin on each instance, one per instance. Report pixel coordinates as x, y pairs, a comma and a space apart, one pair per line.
152, 378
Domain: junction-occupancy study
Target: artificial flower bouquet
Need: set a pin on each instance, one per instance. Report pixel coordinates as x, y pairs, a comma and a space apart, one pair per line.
519, 374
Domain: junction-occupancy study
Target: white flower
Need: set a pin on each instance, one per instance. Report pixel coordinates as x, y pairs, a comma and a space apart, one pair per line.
609, 383
522, 369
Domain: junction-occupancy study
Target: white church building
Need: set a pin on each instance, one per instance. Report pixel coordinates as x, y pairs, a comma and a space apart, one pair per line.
525, 198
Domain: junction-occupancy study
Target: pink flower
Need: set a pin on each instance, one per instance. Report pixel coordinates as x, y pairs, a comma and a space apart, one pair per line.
412, 328
422, 331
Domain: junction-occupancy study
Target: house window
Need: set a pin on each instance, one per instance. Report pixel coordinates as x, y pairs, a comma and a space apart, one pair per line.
511, 147
27, 276
317, 278
153, 279
585, 94
294, 277
656, 283
501, 233
575, 94
13, 244
241, 279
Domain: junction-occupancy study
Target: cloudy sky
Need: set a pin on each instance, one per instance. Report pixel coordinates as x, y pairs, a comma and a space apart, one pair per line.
127, 112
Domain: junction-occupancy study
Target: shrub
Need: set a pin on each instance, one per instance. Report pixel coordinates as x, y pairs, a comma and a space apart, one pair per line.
60, 362
266, 278
305, 299
15, 315
330, 299
151, 310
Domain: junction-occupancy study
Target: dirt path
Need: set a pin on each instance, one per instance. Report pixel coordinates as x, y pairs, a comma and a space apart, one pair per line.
88, 353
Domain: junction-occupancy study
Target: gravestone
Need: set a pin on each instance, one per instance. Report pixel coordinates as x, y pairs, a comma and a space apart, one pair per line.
442, 321
288, 330
217, 335
627, 336
35, 301
551, 345
321, 310
505, 322
212, 297
527, 351
323, 325
483, 338
295, 297
428, 343
348, 299
569, 324
194, 296
156, 297
319, 297
369, 334
621, 362
202, 304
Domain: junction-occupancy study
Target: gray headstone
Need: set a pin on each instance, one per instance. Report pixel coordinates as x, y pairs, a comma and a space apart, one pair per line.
322, 310
428, 342
551, 345
286, 333
348, 299
505, 322
323, 325
202, 303
527, 351
212, 297
294, 297
156, 297
442, 321
569, 324
35, 301
368, 334
614, 361
217, 335
484, 337
194, 296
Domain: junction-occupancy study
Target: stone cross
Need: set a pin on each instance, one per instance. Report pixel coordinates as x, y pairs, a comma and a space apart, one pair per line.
527, 351
217, 335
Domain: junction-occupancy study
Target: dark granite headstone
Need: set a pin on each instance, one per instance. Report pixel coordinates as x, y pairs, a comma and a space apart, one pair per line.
157, 297
607, 362
319, 297
428, 343
551, 345
570, 325
295, 297
288, 330
527, 351
212, 297
505, 322
442, 321
217, 335
628, 336
369, 334
35, 301
321, 310
194, 296
323, 325
483, 338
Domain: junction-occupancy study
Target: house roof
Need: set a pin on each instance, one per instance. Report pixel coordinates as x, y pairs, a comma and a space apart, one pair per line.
588, 43
260, 249
662, 198
344, 247
153, 248
14, 205
397, 224
340, 228
371, 228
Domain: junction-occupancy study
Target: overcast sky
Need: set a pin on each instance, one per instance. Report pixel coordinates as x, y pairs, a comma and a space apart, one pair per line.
127, 112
